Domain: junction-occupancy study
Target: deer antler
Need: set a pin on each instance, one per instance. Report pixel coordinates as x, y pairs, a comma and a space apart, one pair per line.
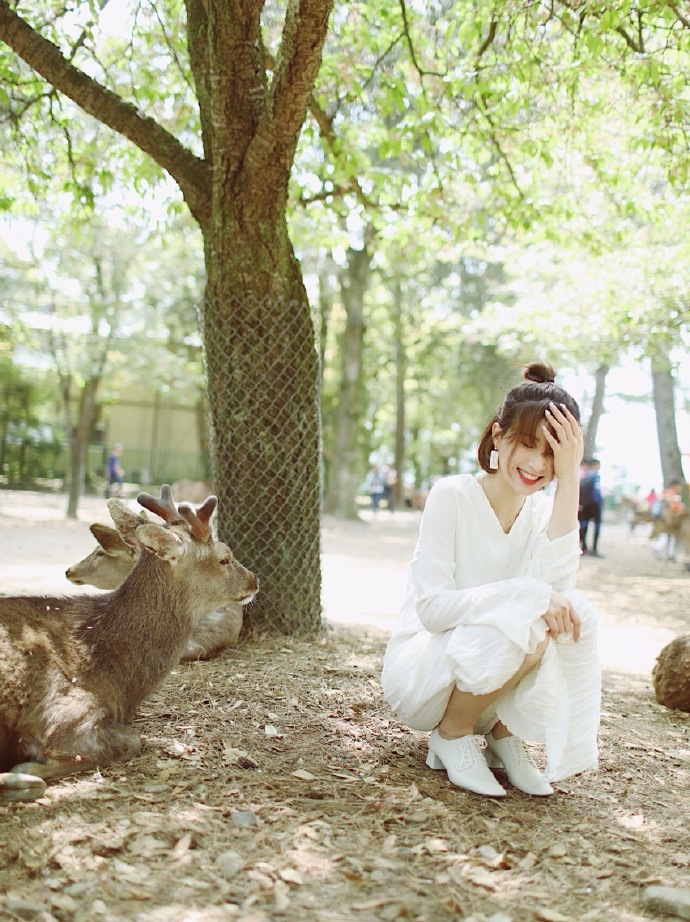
198, 519
164, 507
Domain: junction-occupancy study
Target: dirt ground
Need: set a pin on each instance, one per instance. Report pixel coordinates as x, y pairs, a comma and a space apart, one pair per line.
275, 783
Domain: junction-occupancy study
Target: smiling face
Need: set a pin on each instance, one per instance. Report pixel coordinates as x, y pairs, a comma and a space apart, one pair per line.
526, 465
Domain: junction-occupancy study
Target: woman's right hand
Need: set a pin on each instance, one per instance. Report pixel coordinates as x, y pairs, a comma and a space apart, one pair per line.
561, 617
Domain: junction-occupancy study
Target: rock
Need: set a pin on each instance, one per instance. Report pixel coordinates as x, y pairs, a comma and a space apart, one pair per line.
671, 674
243, 818
230, 863
673, 900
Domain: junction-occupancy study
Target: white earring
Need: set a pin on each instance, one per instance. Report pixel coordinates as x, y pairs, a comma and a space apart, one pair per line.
493, 460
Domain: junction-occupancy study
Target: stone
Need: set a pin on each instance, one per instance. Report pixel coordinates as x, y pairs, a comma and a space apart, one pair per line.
671, 674
672, 900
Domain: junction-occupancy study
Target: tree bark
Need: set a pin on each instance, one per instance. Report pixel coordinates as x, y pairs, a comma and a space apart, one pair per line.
597, 411
260, 349
79, 435
345, 470
400, 375
663, 386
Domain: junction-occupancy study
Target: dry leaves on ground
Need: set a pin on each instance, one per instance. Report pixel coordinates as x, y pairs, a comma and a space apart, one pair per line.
276, 784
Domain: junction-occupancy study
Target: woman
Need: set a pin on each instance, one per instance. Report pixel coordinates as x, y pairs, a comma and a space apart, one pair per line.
493, 644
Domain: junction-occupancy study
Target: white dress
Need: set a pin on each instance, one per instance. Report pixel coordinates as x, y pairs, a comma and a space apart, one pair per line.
472, 612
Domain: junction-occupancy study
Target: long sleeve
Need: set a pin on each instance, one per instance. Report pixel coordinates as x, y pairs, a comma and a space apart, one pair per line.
465, 571
472, 612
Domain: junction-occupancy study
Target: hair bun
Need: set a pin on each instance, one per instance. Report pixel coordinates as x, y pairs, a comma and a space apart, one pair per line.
539, 373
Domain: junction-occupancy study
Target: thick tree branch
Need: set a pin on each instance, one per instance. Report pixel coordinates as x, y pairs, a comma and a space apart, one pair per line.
683, 19
275, 140
191, 173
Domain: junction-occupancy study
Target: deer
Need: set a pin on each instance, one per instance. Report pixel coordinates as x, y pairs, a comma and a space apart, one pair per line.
110, 562
640, 517
675, 523
76, 668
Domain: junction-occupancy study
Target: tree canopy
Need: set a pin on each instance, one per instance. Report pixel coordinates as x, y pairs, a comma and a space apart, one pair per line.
448, 132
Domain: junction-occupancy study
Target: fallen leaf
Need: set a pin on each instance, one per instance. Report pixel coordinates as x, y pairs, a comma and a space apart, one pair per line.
551, 915
182, 846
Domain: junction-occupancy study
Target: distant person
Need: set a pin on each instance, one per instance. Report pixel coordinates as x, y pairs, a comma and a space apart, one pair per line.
591, 505
493, 642
653, 501
114, 473
390, 478
375, 485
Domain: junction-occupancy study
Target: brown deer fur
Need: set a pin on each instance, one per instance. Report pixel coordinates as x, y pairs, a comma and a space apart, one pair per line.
75, 669
110, 562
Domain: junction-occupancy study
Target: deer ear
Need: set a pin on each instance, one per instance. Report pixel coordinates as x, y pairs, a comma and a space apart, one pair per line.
109, 539
160, 541
125, 520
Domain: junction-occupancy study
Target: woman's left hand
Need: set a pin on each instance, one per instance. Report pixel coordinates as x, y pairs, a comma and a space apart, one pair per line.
568, 442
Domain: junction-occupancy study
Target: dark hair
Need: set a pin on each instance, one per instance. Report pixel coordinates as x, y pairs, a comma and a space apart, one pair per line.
522, 410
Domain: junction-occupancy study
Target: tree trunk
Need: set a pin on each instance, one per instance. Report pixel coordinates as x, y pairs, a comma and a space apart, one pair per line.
664, 407
262, 368
597, 411
261, 356
327, 275
345, 471
400, 374
79, 435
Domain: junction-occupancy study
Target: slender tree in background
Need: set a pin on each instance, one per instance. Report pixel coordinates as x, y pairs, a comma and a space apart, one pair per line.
665, 410
596, 410
345, 469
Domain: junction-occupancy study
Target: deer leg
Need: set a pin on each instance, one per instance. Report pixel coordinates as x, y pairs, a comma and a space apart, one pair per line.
214, 633
106, 743
15, 786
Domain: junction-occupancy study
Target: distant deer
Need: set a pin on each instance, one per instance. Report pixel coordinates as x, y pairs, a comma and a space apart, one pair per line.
111, 561
75, 669
675, 524
640, 517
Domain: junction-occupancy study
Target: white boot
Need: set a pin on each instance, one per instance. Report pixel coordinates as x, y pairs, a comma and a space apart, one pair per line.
462, 758
522, 773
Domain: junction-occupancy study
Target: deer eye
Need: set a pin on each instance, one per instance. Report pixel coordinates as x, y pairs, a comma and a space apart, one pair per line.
100, 552
225, 561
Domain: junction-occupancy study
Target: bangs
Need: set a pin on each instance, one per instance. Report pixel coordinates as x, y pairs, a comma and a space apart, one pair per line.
528, 419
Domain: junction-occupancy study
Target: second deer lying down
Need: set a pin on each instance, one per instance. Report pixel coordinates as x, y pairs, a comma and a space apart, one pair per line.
111, 561
75, 669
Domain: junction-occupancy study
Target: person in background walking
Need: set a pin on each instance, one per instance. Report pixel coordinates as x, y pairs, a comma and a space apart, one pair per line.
375, 485
114, 473
389, 480
591, 505
653, 501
